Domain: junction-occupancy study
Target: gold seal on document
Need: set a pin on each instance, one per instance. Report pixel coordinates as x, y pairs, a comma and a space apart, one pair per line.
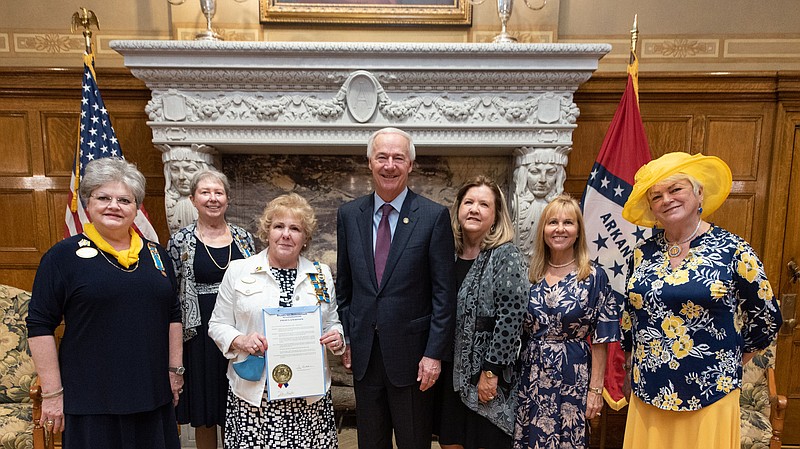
282, 374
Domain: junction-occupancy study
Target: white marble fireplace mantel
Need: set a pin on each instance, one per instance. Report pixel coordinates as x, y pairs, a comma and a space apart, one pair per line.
267, 96
327, 98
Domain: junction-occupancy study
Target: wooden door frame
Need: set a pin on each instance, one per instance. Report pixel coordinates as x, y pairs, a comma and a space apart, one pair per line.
785, 167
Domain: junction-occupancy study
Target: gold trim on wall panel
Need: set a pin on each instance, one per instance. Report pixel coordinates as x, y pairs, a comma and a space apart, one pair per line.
762, 48
4, 47
48, 43
620, 48
680, 48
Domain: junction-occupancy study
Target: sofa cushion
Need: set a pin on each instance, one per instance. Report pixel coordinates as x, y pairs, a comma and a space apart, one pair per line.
754, 401
17, 372
16, 426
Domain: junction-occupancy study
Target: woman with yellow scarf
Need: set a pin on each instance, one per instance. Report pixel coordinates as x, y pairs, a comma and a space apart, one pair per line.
116, 376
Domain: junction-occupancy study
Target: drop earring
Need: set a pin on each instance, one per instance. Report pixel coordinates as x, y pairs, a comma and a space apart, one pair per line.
700, 210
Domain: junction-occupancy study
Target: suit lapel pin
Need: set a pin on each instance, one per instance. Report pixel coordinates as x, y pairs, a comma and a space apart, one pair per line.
405, 220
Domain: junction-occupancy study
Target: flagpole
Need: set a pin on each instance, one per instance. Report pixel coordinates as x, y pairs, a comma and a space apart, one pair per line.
633, 61
634, 37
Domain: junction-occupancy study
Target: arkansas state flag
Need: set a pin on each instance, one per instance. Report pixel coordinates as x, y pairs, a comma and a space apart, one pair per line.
610, 237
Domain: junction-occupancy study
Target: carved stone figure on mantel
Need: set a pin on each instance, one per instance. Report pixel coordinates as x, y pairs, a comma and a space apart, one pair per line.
180, 165
539, 176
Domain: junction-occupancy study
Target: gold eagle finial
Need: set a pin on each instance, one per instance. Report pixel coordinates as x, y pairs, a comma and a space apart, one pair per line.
85, 18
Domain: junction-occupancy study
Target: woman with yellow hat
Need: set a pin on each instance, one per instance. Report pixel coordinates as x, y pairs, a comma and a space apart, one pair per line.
698, 307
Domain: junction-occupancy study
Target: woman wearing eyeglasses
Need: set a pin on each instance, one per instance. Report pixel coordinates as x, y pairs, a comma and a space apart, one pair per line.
113, 381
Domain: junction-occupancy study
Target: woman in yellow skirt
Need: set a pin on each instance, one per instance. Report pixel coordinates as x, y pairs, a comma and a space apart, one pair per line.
698, 307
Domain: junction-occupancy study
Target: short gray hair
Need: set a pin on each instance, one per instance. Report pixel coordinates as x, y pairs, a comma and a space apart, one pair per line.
412, 152
210, 173
112, 169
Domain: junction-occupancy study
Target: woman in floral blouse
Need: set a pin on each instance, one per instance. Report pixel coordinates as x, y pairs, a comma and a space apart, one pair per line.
698, 307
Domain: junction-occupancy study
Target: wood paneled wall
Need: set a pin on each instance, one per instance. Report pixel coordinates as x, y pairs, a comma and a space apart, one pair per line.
39, 112
730, 116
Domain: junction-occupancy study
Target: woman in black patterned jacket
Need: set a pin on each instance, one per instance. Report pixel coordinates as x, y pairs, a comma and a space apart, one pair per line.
201, 252
477, 408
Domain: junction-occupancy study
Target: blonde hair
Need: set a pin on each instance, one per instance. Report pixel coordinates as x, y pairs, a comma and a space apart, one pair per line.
696, 184
541, 252
291, 204
501, 231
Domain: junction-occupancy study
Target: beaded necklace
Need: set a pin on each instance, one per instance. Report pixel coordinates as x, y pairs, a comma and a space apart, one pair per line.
674, 248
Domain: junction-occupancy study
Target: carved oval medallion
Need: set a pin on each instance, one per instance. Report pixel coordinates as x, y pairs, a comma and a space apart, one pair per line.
362, 96
549, 109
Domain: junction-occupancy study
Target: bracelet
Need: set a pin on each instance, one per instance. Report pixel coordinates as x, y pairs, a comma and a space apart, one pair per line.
58, 392
596, 390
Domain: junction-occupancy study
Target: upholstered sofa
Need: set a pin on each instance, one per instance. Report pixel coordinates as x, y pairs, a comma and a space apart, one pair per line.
17, 373
762, 408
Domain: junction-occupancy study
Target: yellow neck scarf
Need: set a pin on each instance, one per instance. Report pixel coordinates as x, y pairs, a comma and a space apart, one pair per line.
126, 257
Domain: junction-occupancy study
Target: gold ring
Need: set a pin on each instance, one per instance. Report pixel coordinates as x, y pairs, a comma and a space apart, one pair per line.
50, 422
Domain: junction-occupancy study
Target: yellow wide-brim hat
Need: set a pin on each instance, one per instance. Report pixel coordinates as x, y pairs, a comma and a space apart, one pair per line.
710, 171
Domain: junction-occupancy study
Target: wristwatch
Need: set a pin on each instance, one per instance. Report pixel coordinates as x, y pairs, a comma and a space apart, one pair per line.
489, 374
179, 370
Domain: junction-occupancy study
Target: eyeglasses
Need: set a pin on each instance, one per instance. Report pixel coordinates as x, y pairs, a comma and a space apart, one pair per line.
105, 200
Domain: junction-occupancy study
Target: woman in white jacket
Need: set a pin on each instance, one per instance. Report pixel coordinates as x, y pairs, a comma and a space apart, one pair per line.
276, 277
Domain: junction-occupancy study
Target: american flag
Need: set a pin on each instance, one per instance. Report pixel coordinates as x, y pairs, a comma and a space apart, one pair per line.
610, 237
97, 140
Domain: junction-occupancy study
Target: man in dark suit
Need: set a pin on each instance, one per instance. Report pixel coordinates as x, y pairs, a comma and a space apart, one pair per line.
399, 317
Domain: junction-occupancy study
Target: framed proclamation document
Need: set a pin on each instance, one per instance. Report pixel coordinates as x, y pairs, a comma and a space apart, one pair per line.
295, 357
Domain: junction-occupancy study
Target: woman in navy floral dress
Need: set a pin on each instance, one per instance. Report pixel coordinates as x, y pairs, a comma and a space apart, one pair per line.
561, 374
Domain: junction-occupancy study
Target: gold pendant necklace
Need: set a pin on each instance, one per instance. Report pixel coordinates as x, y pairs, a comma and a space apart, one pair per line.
674, 248
118, 267
200, 234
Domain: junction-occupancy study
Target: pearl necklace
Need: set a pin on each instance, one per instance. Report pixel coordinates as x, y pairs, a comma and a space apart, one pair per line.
561, 265
674, 248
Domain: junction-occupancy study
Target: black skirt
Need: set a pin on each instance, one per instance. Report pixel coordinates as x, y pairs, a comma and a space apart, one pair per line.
205, 384
145, 430
458, 424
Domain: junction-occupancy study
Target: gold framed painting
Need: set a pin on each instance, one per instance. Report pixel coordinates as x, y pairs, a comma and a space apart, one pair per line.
383, 12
